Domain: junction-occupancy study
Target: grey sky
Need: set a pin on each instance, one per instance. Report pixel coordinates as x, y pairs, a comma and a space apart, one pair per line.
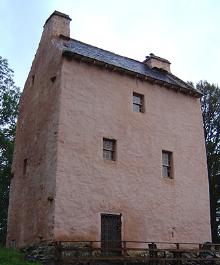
186, 32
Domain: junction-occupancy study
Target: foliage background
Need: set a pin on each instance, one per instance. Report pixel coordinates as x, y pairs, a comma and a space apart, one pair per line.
210, 104
9, 97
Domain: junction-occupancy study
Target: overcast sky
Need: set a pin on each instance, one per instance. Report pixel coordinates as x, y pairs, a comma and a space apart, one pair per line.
186, 32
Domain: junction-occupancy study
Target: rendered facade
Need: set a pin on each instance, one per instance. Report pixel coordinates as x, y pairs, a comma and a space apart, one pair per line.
105, 140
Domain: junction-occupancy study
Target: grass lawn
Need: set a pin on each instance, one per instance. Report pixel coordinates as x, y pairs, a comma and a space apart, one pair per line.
13, 257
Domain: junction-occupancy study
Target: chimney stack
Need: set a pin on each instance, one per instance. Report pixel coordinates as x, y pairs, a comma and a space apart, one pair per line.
57, 24
154, 61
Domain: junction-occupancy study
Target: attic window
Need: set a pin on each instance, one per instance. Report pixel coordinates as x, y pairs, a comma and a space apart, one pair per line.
138, 102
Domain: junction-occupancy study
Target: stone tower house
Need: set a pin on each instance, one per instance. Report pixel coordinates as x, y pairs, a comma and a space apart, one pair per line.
103, 138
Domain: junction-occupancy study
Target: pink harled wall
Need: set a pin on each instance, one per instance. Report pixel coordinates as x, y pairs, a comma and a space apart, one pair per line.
97, 103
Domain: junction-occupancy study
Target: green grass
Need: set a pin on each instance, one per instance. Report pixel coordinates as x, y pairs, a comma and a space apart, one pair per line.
13, 257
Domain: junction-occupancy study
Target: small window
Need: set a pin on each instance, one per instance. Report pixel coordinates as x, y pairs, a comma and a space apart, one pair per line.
167, 164
109, 149
138, 102
13, 244
25, 166
32, 79
53, 79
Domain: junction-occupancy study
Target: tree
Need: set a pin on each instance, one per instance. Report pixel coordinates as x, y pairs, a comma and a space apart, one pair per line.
210, 104
9, 97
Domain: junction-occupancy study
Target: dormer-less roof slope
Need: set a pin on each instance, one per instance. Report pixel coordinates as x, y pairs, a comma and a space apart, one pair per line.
81, 51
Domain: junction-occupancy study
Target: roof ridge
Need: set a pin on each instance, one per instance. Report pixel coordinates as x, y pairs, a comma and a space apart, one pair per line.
64, 37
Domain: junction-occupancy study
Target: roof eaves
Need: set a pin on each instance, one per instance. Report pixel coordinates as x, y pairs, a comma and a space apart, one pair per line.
189, 87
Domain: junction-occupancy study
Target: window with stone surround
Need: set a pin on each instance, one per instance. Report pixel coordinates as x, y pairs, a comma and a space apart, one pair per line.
138, 102
109, 149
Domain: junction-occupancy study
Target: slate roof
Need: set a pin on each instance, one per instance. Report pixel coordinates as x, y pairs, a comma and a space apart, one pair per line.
75, 48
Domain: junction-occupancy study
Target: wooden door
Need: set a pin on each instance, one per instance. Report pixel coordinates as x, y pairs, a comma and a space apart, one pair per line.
111, 234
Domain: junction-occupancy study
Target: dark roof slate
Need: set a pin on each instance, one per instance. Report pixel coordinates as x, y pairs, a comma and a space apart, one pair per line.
89, 51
